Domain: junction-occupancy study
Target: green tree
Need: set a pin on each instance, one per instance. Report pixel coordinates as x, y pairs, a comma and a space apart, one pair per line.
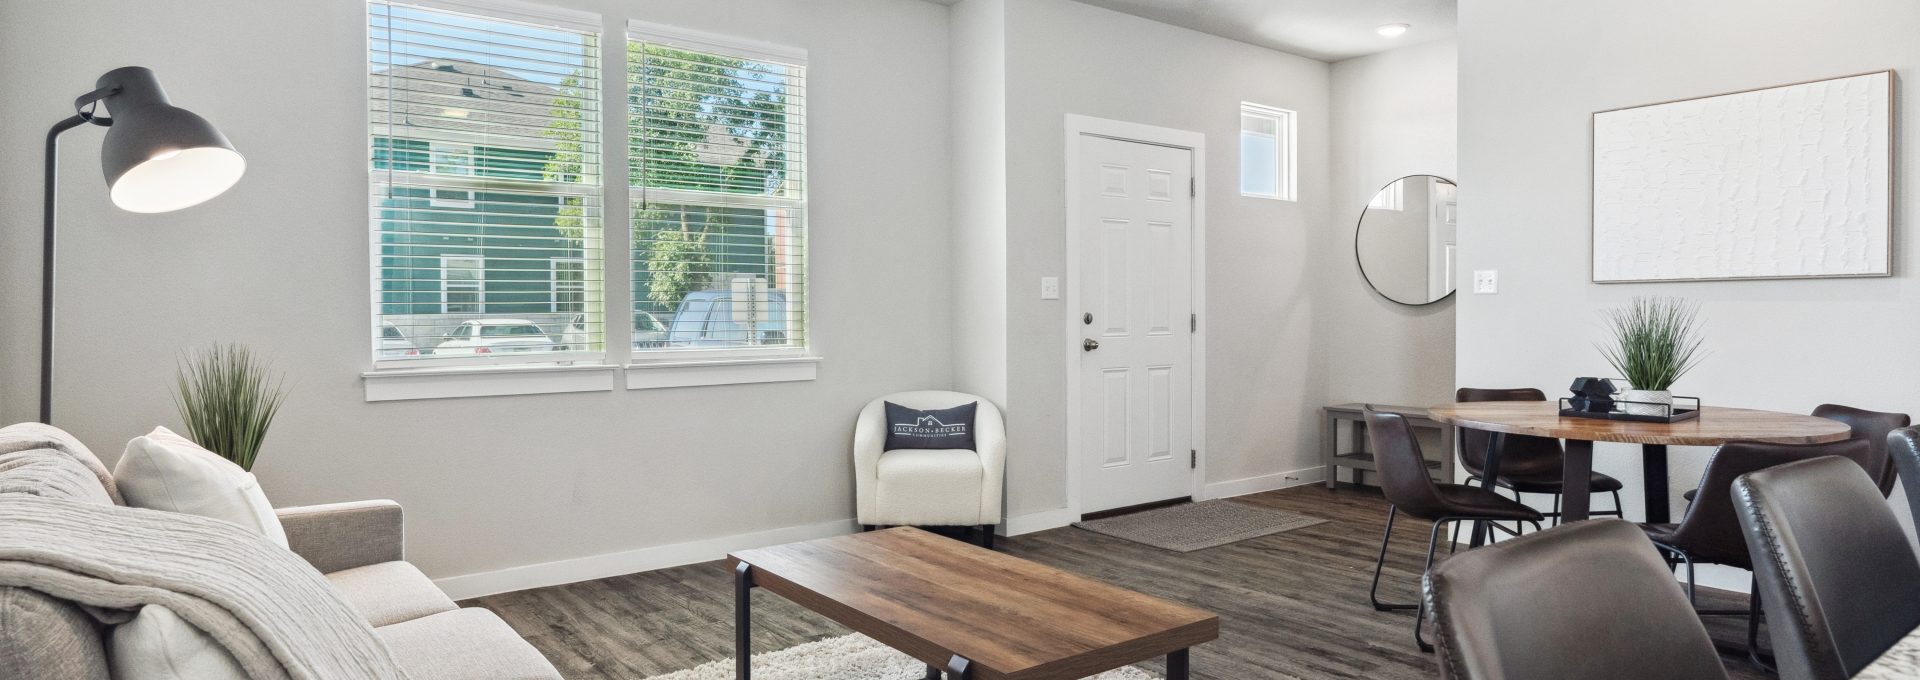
565, 123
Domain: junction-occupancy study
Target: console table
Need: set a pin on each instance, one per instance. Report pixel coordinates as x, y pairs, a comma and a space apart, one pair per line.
1358, 456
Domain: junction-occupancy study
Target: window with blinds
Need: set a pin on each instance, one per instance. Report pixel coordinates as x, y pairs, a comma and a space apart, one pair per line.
717, 181
486, 185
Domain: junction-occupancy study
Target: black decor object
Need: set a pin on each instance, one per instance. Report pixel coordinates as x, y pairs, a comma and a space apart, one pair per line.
157, 158
1682, 408
947, 428
1592, 395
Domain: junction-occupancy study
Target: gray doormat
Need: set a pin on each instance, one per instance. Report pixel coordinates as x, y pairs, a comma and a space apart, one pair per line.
1196, 526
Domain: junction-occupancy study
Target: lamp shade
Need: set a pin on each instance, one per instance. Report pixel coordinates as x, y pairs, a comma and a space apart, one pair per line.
159, 157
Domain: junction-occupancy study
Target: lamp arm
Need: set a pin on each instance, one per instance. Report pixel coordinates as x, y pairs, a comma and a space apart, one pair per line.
86, 104
46, 262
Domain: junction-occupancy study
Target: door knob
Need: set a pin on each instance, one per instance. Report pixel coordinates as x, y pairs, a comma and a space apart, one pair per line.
1089, 344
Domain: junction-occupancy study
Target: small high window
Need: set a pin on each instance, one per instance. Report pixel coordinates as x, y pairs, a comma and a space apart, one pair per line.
1267, 156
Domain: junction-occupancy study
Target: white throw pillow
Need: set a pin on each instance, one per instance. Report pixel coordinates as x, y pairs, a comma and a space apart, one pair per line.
157, 644
165, 471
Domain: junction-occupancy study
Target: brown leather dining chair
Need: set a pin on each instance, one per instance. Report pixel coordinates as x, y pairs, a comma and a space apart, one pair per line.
1408, 488
1710, 532
1841, 583
1903, 448
1872, 426
1585, 601
1527, 464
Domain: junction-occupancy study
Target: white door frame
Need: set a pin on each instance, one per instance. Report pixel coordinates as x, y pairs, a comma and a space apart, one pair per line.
1077, 127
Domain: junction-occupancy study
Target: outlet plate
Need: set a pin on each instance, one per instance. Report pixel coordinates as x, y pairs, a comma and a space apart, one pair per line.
1049, 287
1486, 281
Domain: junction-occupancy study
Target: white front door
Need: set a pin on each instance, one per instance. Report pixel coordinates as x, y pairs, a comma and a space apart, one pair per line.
1135, 231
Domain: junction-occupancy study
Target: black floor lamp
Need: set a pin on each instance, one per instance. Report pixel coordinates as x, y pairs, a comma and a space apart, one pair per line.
157, 157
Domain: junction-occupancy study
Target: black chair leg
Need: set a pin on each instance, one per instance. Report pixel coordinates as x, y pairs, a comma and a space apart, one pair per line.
986, 536
1381, 564
1420, 612
1753, 627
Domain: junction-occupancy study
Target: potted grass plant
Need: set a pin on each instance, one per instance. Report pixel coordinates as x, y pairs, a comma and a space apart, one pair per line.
1655, 341
228, 397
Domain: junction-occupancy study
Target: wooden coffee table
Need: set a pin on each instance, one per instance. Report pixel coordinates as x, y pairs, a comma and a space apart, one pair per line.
974, 613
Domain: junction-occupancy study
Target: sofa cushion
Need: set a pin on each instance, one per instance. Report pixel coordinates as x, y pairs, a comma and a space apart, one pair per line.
930, 486
390, 592
156, 644
464, 644
46, 638
165, 471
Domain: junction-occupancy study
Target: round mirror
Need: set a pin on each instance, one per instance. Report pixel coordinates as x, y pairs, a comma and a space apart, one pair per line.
1405, 240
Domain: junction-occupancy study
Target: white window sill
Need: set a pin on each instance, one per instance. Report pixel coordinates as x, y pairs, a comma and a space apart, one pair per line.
485, 381
655, 375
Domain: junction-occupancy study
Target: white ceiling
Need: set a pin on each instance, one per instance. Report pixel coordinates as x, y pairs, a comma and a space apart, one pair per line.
1328, 30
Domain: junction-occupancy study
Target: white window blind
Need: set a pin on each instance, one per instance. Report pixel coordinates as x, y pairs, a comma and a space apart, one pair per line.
717, 143
485, 207
1267, 157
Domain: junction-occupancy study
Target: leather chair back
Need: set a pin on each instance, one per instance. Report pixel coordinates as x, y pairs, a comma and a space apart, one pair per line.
1552, 604
1838, 579
1903, 448
1401, 467
1872, 426
1711, 532
1520, 455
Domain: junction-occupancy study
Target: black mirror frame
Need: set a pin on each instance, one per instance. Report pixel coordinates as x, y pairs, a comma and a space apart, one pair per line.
1363, 267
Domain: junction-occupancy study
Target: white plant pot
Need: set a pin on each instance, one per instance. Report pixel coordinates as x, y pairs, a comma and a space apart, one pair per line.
1647, 402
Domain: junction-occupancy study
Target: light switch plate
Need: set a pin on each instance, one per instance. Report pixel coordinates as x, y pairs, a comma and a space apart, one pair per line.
1049, 287
1486, 281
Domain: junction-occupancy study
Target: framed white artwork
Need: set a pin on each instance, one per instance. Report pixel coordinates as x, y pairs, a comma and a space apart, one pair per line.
1780, 182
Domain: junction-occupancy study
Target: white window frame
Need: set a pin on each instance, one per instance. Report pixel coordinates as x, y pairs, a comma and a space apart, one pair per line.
1390, 197
446, 283
1286, 152
554, 289
437, 149
656, 368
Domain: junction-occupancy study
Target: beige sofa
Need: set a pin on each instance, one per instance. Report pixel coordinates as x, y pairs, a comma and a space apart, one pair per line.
359, 548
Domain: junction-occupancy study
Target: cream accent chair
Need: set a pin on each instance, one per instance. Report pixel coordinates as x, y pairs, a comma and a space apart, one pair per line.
930, 487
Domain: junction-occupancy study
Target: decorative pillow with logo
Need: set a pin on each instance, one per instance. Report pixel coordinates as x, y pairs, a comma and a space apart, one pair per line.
947, 428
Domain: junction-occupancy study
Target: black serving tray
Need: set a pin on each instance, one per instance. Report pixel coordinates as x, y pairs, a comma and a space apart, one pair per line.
1675, 412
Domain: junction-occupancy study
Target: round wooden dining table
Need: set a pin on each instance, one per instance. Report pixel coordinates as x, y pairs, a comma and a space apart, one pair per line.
1713, 427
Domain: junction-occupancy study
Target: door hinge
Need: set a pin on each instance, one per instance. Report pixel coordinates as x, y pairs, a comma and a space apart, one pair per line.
1193, 323
1193, 187
1193, 459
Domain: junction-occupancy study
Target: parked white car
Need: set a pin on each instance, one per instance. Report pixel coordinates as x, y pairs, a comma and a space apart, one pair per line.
495, 336
394, 344
573, 338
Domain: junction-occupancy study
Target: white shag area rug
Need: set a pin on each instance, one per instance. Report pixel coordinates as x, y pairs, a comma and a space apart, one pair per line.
848, 657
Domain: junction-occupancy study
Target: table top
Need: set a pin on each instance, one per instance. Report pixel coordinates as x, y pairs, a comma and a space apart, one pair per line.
934, 597
1902, 662
1715, 425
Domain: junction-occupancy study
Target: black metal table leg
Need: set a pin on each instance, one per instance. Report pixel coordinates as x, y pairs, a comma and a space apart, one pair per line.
1653, 469
1576, 485
1490, 482
959, 668
933, 672
1177, 665
742, 621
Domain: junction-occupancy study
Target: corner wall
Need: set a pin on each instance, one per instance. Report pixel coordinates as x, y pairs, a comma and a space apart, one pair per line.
1531, 74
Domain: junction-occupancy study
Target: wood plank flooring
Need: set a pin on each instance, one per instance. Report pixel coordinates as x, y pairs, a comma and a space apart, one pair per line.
1292, 605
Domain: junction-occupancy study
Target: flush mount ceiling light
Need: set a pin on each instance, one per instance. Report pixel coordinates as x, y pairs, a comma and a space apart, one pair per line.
1393, 30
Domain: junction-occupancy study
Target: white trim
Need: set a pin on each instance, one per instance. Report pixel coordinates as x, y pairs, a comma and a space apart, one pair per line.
513, 10
591, 567
1076, 127
553, 287
656, 375
1038, 521
489, 381
1257, 484
1286, 150
479, 287
703, 41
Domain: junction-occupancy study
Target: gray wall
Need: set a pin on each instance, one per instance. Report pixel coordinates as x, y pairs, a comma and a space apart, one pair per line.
1266, 260
281, 263
979, 293
1531, 73
1394, 114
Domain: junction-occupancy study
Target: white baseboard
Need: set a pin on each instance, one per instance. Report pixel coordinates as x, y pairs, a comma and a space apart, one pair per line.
1272, 482
1038, 521
630, 561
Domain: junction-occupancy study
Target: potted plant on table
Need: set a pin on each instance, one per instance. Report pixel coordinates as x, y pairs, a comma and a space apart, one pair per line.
1655, 341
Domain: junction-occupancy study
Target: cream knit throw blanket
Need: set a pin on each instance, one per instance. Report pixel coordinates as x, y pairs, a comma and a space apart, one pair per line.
275, 614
